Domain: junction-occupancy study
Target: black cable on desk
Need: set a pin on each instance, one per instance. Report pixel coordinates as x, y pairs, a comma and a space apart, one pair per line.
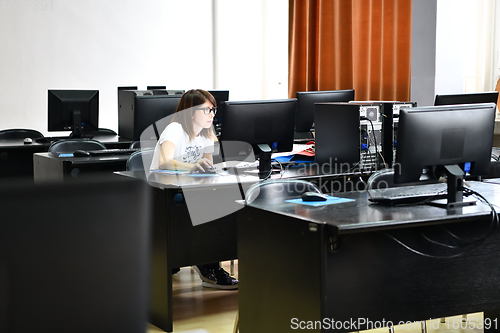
471, 244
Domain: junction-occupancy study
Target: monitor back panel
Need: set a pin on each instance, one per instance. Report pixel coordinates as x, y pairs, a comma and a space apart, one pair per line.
139, 110
337, 135
74, 257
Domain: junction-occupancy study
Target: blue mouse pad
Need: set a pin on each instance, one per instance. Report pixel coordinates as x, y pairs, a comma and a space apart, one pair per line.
328, 201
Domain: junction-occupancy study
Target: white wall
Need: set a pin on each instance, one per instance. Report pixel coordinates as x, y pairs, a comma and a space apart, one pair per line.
467, 46
423, 51
70, 44
455, 44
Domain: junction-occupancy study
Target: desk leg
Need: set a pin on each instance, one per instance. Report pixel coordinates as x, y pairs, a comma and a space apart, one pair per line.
161, 265
492, 320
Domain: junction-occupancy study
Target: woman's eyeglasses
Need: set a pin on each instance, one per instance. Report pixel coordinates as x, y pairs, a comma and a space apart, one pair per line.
206, 110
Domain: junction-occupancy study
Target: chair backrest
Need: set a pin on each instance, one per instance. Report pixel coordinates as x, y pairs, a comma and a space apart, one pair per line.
277, 191
104, 131
135, 144
139, 159
19, 133
69, 146
381, 179
143, 144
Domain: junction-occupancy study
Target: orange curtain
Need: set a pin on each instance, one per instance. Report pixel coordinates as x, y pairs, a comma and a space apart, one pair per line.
363, 45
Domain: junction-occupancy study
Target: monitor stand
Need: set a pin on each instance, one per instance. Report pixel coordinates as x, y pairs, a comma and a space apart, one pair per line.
455, 197
77, 125
78, 132
265, 167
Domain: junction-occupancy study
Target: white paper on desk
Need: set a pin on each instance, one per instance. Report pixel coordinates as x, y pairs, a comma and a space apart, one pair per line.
297, 148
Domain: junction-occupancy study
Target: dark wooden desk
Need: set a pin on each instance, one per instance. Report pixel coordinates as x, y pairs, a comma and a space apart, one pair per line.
177, 242
342, 264
16, 157
49, 167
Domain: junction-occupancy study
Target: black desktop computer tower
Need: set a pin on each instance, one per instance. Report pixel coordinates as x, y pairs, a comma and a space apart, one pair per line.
384, 116
139, 109
390, 121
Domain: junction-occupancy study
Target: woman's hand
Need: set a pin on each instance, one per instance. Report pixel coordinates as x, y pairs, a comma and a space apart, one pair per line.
202, 165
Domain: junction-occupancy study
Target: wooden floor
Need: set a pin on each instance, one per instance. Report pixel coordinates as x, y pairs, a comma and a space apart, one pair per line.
204, 310
198, 309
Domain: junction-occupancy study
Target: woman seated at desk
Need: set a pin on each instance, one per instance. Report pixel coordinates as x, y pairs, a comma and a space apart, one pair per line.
187, 143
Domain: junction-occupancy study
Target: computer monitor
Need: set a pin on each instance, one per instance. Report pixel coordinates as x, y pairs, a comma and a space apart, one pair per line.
167, 92
265, 124
77, 258
449, 141
156, 87
221, 97
73, 110
140, 109
127, 88
453, 99
304, 118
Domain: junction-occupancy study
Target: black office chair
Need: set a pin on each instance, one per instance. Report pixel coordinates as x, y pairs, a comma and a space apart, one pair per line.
382, 179
143, 144
70, 145
103, 131
139, 159
20, 133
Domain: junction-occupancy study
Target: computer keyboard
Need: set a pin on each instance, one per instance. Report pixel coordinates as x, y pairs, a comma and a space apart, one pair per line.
116, 151
408, 194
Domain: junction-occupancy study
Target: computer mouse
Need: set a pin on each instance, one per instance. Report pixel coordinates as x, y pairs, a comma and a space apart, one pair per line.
208, 171
81, 153
28, 140
313, 196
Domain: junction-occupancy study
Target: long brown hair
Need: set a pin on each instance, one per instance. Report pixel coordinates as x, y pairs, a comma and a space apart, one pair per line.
189, 100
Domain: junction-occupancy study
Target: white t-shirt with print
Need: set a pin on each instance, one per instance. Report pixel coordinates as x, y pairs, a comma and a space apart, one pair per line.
187, 151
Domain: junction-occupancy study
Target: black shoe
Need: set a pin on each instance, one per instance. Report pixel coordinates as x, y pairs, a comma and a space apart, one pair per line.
216, 277
206, 273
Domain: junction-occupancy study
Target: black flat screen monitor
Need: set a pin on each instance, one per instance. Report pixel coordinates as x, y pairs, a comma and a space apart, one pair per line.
446, 141
167, 92
127, 88
139, 109
304, 118
453, 99
265, 124
221, 97
73, 110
